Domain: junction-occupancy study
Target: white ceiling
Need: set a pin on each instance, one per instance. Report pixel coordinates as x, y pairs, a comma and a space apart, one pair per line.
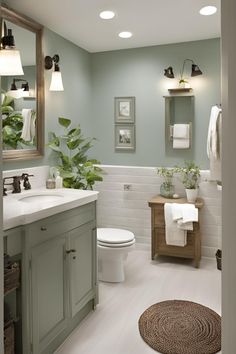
152, 22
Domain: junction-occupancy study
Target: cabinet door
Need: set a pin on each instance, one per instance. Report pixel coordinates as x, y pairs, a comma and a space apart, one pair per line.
48, 292
83, 265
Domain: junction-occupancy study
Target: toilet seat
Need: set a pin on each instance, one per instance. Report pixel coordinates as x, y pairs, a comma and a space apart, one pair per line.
116, 245
109, 237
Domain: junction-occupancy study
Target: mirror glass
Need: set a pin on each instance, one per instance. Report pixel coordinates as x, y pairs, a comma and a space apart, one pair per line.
22, 95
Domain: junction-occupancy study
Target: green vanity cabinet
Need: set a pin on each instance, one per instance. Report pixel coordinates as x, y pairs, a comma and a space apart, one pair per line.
59, 268
49, 309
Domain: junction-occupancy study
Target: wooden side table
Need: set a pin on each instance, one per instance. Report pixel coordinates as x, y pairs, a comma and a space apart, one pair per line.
159, 246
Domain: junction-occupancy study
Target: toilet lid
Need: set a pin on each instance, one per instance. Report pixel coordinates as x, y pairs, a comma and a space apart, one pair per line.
114, 236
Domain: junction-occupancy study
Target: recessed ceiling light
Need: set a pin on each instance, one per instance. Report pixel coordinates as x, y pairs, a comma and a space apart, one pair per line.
208, 10
107, 15
125, 34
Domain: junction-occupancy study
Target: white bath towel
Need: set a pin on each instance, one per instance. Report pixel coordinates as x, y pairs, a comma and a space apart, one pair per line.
26, 131
181, 131
181, 143
174, 235
213, 138
214, 143
181, 137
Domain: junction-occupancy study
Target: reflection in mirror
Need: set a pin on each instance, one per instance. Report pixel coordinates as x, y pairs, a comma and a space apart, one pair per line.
22, 96
18, 95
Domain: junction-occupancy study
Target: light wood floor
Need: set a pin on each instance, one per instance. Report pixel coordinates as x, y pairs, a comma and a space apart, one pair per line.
113, 327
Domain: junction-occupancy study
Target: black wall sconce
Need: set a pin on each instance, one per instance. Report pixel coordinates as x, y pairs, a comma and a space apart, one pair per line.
195, 71
56, 81
19, 93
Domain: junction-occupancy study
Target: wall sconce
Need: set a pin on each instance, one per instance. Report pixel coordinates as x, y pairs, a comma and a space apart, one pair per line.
56, 81
19, 93
183, 82
10, 61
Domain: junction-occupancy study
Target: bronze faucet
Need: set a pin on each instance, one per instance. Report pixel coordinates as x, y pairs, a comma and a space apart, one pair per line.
17, 183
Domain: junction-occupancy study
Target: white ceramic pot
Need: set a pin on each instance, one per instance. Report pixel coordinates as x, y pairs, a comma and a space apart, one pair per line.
191, 195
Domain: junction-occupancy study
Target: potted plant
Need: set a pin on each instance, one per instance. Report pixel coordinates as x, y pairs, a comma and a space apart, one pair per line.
76, 169
167, 189
190, 174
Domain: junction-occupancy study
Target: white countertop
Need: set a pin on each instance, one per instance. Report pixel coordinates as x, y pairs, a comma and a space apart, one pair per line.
17, 211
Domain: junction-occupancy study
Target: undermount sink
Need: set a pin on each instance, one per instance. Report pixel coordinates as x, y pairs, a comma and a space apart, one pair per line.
37, 198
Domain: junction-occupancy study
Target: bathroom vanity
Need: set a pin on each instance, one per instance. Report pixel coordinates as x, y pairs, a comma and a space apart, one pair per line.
159, 247
58, 255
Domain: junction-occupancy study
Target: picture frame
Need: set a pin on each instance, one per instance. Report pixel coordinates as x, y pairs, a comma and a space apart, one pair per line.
124, 110
125, 137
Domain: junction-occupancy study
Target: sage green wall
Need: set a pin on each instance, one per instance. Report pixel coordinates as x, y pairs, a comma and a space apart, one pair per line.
74, 102
91, 81
139, 72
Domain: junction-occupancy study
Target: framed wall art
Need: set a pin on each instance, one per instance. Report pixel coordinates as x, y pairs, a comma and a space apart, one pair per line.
124, 110
124, 137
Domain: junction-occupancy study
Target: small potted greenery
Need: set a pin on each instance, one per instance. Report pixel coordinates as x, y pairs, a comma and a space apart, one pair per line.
167, 189
190, 174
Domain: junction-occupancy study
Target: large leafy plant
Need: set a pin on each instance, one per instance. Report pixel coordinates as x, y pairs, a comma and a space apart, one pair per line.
76, 169
12, 123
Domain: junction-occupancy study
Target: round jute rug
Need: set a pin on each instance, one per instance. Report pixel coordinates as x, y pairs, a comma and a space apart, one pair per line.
181, 327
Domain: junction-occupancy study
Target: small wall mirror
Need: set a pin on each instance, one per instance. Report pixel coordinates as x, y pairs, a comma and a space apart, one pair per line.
23, 109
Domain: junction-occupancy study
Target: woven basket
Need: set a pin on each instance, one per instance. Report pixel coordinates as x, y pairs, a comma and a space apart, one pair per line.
219, 259
9, 339
11, 277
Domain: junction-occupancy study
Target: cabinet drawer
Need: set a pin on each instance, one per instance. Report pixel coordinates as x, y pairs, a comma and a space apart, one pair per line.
45, 229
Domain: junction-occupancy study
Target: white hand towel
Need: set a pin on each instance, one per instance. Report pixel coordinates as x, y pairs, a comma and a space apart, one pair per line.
184, 225
181, 143
174, 235
177, 211
32, 125
190, 213
181, 131
26, 133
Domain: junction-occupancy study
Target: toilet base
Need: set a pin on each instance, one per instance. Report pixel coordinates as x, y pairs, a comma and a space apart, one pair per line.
110, 270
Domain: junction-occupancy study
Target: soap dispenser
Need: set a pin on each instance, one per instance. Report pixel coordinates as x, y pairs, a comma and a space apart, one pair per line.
59, 180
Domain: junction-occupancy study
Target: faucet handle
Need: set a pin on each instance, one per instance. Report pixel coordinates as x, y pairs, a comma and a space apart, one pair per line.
26, 183
4, 191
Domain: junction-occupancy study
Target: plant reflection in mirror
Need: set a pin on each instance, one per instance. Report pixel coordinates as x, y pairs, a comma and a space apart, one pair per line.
12, 124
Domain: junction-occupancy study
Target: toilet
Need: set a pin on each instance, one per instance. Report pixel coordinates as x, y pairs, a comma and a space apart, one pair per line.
113, 247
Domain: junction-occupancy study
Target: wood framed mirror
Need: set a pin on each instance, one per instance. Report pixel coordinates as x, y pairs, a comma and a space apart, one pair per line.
23, 120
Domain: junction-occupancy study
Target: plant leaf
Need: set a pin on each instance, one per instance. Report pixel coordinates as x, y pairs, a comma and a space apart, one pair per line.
64, 122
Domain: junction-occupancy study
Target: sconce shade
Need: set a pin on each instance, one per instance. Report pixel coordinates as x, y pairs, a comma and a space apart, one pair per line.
10, 62
169, 72
56, 82
195, 70
18, 93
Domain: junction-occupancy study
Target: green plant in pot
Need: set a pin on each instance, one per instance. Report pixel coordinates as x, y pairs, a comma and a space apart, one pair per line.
190, 174
71, 147
167, 189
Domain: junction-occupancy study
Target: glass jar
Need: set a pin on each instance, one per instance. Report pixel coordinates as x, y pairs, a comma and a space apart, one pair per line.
167, 190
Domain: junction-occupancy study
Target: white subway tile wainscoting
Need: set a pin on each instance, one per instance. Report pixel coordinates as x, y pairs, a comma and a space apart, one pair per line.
129, 208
